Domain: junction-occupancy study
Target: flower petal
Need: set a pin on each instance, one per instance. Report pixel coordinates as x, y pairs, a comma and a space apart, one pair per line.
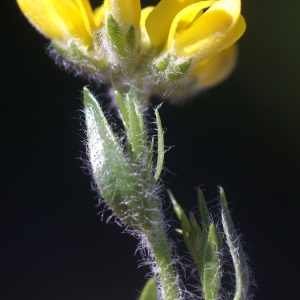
87, 14
219, 27
184, 20
160, 19
99, 15
60, 19
212, 71
144, 35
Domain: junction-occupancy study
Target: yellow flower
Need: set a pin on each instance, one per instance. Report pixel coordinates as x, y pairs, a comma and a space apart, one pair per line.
189, 42
195, 29
61, 20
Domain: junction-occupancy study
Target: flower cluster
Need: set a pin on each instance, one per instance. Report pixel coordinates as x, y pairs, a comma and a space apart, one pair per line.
177, 45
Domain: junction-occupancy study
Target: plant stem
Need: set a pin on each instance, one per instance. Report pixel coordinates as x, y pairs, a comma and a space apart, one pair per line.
163, 269
149, 213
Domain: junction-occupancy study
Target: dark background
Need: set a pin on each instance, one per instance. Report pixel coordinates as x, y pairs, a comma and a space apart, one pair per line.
243, 135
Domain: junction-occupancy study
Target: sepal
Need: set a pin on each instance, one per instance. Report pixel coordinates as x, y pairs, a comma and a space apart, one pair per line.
170, 69
115, 36
122, 33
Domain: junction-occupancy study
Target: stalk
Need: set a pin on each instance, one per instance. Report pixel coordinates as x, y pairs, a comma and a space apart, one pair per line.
163, 268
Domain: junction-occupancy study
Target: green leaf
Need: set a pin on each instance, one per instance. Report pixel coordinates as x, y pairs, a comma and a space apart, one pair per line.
122, 107
193, 239
136, 128
199, 244
204, 213
111, 169
123, 188
149, 291
160, 147
212, 267
185, 224
236, 251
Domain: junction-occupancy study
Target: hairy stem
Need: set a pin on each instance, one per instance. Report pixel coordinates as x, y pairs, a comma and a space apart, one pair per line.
163, 269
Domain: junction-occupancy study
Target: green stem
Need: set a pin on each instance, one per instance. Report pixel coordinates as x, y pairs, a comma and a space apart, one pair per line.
148, 213
163, 268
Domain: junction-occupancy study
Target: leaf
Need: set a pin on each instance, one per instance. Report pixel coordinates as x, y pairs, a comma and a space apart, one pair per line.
160, 147
236, 251
136, 128
212, 267
185, 224
122, 107
192, 235
149, 291
199, 244
204, 213
111, 169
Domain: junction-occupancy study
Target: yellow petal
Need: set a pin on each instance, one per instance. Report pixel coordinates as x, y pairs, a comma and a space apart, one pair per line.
184, 20
160, 19
61, 19
99, 15
212, 71
125, 12
235, 32
219, 27
144, 35
87, 14
144, 15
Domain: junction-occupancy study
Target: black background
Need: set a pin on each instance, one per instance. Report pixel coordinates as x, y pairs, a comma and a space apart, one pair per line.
243, 135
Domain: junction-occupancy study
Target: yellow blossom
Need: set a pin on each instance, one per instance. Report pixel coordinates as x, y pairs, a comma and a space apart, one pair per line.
186, 42
61, 20
197, 29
